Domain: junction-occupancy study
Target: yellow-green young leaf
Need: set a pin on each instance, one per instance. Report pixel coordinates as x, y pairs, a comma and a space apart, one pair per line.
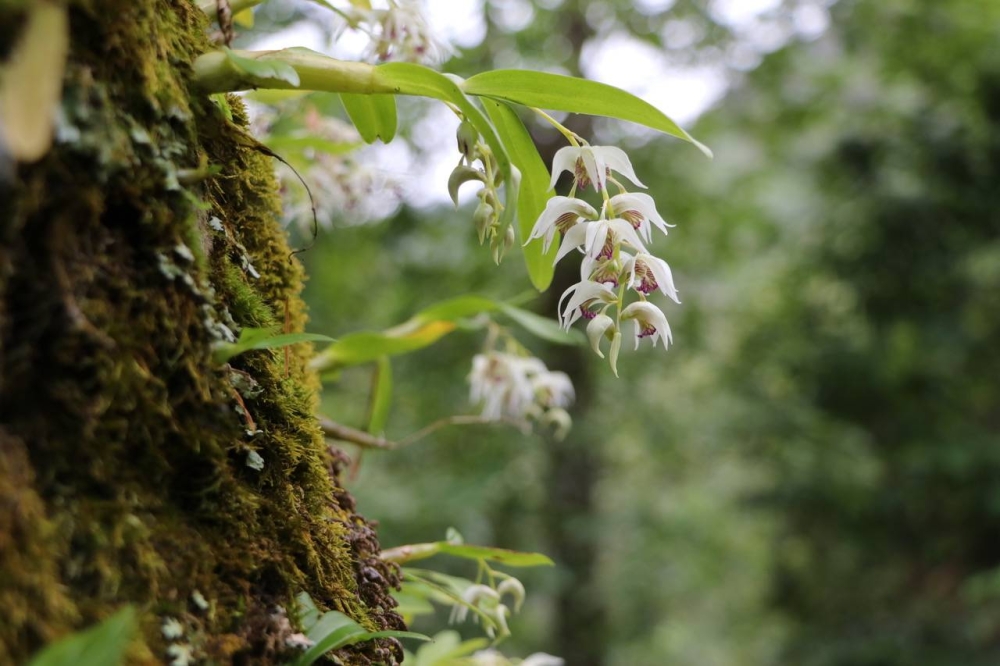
102, 645
534, 192
421, 330
381, 398
373, 115
31, 82
244, 18
573, 95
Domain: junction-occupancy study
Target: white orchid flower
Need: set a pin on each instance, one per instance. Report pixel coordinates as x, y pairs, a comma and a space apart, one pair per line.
541, 659
590, 165
560, 214
640, 211
597, 330
477, 596
553, 389
599, 238
648, 273
649, 322
581, 296
515, 589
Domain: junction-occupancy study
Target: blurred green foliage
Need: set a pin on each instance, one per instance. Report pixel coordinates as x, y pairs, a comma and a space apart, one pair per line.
812, 475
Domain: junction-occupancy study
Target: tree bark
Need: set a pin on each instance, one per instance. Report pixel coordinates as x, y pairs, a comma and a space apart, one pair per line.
124, 447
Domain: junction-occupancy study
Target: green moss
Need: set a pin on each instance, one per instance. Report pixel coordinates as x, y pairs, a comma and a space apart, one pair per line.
123, 473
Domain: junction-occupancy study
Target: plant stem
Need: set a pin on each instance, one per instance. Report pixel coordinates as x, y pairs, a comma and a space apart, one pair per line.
570, 135
214, 72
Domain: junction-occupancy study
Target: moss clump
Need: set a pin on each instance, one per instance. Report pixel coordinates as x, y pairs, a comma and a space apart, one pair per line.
123, 448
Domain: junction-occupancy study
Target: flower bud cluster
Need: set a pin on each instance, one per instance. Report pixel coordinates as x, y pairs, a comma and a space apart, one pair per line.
487, 215
342, 187
614, 240
489, 600
519, 388
398, 33
491, 657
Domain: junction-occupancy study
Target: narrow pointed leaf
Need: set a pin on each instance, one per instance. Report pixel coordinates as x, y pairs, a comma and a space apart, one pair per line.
534, 192
102, 645
262, 338
543, 327
573, 95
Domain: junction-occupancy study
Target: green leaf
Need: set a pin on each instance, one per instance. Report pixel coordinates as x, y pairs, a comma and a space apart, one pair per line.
335, 630
262, 338
543, 327
102, 645
306, 611
422, 330
534, 191
373, 115
456, 308
411, 605
263, 70
511, 558
566, 93
381, 397
446, 648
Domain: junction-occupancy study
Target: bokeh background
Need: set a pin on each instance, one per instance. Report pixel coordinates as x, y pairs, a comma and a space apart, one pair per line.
811, 475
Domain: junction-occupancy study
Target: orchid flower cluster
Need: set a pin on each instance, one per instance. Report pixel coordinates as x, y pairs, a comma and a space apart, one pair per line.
491, 657
614, 243
340, 185
487, 215
397, 32
514, 386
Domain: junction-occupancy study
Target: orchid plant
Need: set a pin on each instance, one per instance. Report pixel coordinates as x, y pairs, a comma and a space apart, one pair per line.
517, 206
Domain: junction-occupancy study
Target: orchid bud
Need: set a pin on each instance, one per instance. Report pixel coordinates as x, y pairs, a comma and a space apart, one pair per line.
483, 219
467, 138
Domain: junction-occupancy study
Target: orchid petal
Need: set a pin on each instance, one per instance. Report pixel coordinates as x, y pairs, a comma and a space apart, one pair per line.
564, 160
616, 159
597, 329
626, 232
573, 238
555, 209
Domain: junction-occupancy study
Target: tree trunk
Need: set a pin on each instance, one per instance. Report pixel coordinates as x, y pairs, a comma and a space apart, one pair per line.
124, 448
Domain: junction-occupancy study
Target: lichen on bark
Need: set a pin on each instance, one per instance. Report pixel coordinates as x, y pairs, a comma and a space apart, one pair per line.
123, 446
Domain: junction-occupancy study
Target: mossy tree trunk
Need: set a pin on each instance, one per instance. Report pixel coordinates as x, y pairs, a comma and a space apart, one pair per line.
123, 446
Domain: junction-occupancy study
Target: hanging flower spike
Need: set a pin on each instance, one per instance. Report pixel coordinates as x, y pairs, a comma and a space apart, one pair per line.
560, 214
590, 165
584, 294
650, 322
648, 273
640, 211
